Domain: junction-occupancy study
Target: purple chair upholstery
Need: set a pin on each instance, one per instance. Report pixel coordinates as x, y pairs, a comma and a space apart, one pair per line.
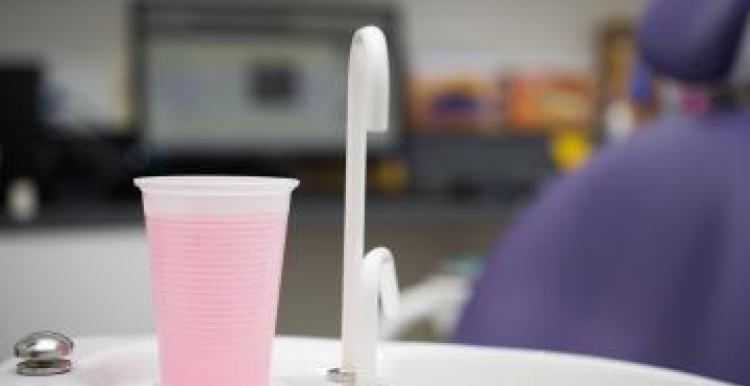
693, 40
643, 254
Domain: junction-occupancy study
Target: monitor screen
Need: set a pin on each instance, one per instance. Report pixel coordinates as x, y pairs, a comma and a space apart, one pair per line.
207, 88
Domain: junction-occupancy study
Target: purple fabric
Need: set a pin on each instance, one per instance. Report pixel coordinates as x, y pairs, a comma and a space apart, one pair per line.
642, 255
693, 40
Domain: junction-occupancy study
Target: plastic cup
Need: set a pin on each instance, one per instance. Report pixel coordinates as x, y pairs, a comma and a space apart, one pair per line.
216, 246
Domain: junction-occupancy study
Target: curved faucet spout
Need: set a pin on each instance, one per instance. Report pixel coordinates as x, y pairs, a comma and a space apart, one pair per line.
369, 83
379, 289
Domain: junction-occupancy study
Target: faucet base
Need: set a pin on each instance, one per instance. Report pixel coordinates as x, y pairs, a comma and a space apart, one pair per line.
336, 375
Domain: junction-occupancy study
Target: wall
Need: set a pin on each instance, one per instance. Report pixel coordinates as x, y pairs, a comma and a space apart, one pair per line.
81, 44
509, 33
84, 42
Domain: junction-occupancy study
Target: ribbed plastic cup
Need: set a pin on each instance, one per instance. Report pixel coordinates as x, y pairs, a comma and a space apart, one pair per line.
216, 246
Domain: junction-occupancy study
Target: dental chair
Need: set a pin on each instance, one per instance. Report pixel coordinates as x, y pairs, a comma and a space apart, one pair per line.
644, 253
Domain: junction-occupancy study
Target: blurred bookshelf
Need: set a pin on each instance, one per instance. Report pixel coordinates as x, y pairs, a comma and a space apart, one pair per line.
450, 176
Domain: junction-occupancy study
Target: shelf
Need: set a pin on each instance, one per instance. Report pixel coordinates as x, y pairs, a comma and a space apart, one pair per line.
417, 209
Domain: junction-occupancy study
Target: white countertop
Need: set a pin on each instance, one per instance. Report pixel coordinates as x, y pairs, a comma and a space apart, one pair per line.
131, 361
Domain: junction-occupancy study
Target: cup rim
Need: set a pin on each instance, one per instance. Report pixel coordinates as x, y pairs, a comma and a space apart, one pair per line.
214, 184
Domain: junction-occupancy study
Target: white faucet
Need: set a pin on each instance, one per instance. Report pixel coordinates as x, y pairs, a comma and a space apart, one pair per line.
365, 279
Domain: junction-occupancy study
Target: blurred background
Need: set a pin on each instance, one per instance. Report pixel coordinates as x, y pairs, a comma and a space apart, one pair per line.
491, 100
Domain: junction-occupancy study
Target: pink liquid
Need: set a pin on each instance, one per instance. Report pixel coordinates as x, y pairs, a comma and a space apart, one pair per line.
215, 289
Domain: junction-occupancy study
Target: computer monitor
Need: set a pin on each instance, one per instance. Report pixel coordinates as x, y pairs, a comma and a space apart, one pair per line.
251, 77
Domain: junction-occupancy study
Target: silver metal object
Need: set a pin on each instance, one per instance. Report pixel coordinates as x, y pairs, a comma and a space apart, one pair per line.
44, 353
37, 367
337, 376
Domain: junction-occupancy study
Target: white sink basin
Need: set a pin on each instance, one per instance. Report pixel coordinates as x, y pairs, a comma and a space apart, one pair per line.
303, 362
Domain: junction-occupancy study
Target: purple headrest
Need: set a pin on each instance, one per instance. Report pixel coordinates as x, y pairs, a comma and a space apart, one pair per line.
694, 41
